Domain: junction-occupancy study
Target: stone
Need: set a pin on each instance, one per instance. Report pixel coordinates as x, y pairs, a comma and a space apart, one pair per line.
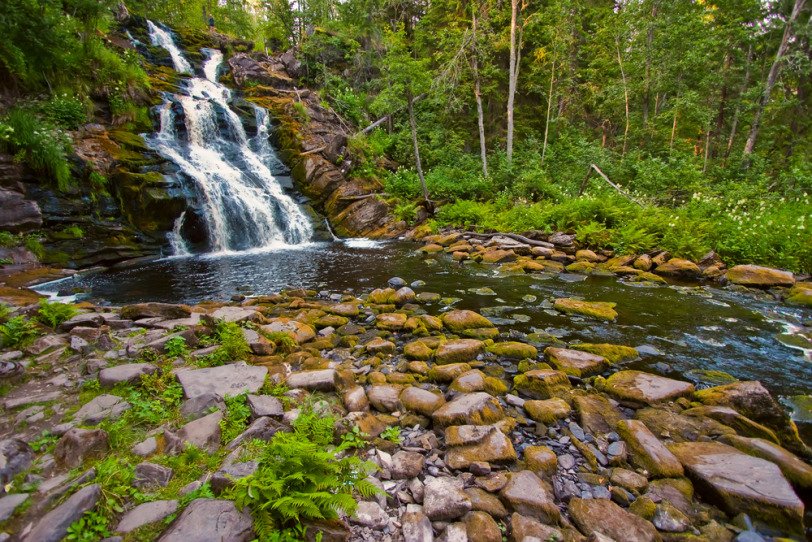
406, 465
300, 332
459, 351
742, 484
678, 267
486, 502
203, 433
77, 445
144, 514
470, 409
542, 383
469, 382
150, 475
576, 362
602, 310
53, 526
384, 398
670, 519
498, 256
101, 408
355, 399
155, 310
17, 213
234, 314
210, 520
391, 321
480, 527
797, 471
800, 294
418, 350
541, 460
380, 346
263, 428
613, 353
146, 447
636, 483
607, 518
526, 494
454, 532
382, 296
370, 514
129, 372
319, 380
741, 424
548, 410
9, 503
460, 321
759, 277
468, 444
201, 405
421, 401
596, 414
444, 500
404, 295
647, 451
231, 380
526, 529
264, 405
15, 457
679, 427
447, 373
644, 388
227, 474
514, 350
643, 263
416, 527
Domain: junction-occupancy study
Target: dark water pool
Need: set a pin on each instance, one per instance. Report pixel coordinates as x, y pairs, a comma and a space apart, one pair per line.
687, 330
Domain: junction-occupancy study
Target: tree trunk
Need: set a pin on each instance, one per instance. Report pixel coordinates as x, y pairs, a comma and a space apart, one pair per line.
720, 117
707, 150
483, 149
418, 165
549, 108
512, 69
673, 131
772, 77
647, 81
735, 122
625, 96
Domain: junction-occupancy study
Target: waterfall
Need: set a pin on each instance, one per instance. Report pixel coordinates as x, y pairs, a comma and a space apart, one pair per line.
229, 172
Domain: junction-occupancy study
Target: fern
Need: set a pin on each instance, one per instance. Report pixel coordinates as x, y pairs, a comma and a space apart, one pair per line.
236, 418
17, 332
54, 313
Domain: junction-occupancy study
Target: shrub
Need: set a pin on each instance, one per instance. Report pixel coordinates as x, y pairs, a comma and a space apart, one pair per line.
232, 341
38, 145
406, 211
54, 313
65, 111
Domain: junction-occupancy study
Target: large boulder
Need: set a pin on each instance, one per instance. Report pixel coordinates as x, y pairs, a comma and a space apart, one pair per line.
757, 276
155, 310
469, 409
210, 520
128, 372
18, 213
795, 469
678, 267
231, 380
601, 310
644, 388
605, 517
742, 483
53, 526
472, 443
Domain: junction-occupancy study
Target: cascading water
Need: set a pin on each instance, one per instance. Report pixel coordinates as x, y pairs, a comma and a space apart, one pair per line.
231, 174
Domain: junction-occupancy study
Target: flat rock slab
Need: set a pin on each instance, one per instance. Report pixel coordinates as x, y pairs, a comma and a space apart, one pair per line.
100, 408
639, 387
210, 520
9, 504
469, 409
576, 362
225, 380
129, 372
647, 450
471, 443
742, 483
529, 496
234, 314
607, 518
146, 513
265, 405
54, 525
321, 380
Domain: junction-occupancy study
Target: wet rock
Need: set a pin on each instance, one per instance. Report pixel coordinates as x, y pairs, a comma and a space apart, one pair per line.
800, 294
155, 310
576, 362
385, 398
460, 321
101, 408
647, 451
370, 514
17, 213
421, 401
320, 380
459, 351
391, 321
447, 373
541, 460
514, 350
203, 433
471, 443
301, 332
607, 518
470, 409
524, 528
418, 350
444, 500
759, 277
670, 519
795, 469
632, 481
380, 346
547, 411
528, 495
144, 514
469, 382
480, 527
742, 483
53, 526
680, 428
416, 527
130, 372
264, 405
486, 502
596, 414
404, 295
742, 424
225, 380
542, 383
406, 465
77, 445
454, 532
9, 503
15, 457
602, 310
613, 353
210, 520
150, 475
677, 267
645, 388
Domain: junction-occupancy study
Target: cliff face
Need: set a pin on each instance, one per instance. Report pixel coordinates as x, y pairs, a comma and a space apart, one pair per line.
130, 216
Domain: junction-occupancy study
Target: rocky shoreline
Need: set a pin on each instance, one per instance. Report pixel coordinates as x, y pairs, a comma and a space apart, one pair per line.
478, 432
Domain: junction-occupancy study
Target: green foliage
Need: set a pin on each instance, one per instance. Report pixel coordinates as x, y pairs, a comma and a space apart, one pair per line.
5, 311
53, 313
176, 347
44, 443
65, 111
300, 112
392, 434
236, 417
232, 345
92, 526
17, 332
354, 438
406, 211
37, 144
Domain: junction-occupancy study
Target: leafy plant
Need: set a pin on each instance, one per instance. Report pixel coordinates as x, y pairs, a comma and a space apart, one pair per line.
65, 111
38, 145
354, 438
92, 526
54, 313
236, 417
284, 342
392, 434
5, 311
300, 112
176, 347
17, 332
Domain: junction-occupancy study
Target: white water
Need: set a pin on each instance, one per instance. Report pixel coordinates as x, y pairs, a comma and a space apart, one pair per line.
240, 200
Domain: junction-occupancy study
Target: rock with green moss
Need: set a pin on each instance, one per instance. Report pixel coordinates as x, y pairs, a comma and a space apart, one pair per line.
542, 384
547, 411
797, 471
513, 349
613, 353
637, 387
476, 443
662, 420
469, 409
602, 310
800, 294
741, 483
757, 276
382, 296
730, 417
583, 267
647, 451
596, 414
495, 386
447, 373
575, 362
418, 350
459, 321
421, 401
459, 351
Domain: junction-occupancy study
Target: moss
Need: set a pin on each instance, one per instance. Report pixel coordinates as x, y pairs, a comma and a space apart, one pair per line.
583, 267
541, 384
129, 140
602, 310
513, 349
800, 294
613, 353
495, 386
643, 507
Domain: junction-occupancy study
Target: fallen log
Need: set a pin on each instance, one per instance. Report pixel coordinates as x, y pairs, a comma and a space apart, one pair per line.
514, 236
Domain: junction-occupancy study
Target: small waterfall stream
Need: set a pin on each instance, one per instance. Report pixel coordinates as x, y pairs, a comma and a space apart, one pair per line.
229, 172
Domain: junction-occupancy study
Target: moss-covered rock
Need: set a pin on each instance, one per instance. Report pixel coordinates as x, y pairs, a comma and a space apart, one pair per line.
458, 351
418, 350
602, 310
460, 321
613, 353
541, 384
513, 349
800, 294
547, 411
757, 276
575, 362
